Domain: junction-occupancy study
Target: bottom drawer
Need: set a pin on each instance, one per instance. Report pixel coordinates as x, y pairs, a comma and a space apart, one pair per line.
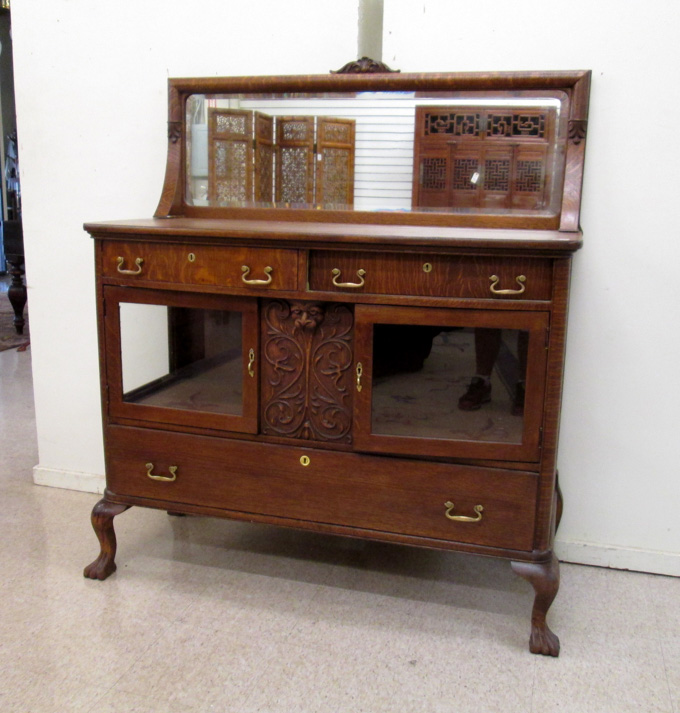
352, 490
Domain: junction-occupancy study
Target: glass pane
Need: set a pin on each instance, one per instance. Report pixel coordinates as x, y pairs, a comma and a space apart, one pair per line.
442, 152
449, 382
182, 358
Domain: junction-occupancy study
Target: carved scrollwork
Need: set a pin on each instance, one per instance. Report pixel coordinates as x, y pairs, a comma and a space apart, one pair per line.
364, 65
306, 377
174, 131
577, 130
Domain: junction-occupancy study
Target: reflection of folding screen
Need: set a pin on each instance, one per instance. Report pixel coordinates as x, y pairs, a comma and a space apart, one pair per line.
335, 161
230, 155
294, 159
314, 158
482, 157
232, 174
313, 171
264, 158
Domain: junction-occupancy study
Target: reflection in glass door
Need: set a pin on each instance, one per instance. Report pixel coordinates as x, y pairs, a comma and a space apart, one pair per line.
183, 358
461, 383
198, 367
435, 381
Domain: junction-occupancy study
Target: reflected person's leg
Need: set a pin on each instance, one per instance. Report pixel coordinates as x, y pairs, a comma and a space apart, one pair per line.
487, 347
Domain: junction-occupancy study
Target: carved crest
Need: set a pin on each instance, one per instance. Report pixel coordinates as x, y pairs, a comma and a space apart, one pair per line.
364, 65
306, 378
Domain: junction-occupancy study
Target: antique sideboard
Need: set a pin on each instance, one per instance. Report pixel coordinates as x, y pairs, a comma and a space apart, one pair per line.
349, 312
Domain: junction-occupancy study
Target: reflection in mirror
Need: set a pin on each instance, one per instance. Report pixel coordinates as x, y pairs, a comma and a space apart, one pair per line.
399, 151
452, 383
182, 358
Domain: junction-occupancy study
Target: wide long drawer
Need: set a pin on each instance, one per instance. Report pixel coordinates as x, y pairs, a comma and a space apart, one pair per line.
482, 506
431, 275
226, 266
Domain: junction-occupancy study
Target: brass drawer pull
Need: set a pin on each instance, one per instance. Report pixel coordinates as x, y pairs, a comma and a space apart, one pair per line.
246, 271
138, 263
360, 274
360, 372
251, 361
462, 518
520, 280
165, 478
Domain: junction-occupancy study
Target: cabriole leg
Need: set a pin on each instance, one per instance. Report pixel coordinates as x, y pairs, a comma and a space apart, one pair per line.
102, 522
545, 579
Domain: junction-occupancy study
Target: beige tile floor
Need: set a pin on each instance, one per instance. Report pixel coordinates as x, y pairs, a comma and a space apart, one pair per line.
207, 615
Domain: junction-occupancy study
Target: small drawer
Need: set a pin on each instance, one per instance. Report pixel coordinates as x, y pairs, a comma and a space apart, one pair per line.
201, 265
431, 275
483, 506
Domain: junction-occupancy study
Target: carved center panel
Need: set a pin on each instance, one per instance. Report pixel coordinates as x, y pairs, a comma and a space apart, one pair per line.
306, 370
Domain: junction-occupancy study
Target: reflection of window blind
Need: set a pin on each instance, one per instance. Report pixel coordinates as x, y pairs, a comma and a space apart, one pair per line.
383, 167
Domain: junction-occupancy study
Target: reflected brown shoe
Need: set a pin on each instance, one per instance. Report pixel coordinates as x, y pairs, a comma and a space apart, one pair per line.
478, 393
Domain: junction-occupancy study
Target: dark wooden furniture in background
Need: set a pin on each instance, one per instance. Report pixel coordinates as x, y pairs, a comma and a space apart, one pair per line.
482, 157
302, 355
13, 242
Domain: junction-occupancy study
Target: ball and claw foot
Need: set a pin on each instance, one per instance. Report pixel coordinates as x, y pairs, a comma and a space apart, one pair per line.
102, 523
544, 577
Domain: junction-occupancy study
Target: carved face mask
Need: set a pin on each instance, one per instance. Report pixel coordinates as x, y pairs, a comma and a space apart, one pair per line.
306, 316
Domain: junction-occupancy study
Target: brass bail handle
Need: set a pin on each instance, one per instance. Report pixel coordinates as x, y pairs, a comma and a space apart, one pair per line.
246, 271
462, 518
360, 274
165, 478
520, 280
138, 262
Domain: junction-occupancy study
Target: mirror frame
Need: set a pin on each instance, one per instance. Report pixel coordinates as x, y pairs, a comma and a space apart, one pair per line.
575, 84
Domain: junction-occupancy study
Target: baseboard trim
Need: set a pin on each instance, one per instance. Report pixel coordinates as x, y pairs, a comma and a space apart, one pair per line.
69, 479
588, 553
614, 557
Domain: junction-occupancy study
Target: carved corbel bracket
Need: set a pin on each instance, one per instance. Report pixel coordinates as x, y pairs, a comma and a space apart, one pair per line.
174, 131
577, 130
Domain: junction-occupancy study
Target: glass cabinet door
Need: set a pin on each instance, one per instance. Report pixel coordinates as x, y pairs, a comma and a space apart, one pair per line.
180, 358
450, 383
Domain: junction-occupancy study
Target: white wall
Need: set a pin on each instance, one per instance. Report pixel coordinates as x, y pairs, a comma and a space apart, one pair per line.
91, 99
91, 103
620, 434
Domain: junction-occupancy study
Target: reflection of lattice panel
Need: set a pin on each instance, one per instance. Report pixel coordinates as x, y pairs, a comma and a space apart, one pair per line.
294, 162
230, 171
463, 171
296, 130
264, 157
497, 174
335, 175
231, 124
433, 177
452, 123
529, 176
337, 133
516, 125
263, 129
